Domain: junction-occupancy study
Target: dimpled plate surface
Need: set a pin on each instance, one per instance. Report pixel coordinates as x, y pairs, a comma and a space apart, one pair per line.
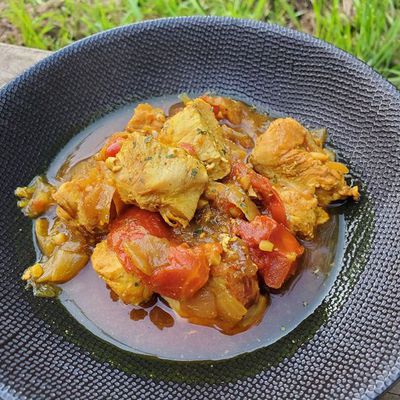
349, 348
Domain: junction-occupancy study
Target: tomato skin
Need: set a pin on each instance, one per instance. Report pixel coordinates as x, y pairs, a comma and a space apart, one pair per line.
275, 266
134, 224
265, 228
264, 190
187, 272
215, 110
285, 241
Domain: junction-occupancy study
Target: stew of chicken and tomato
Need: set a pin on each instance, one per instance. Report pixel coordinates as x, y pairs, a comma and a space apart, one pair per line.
205, 207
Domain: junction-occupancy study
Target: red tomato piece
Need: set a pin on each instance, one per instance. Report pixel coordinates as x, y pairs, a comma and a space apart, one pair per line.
216, 110
134, 224
113, 149
269, 197
187, 272
277, 208
275, 266
253, 232
285, 241
262, 186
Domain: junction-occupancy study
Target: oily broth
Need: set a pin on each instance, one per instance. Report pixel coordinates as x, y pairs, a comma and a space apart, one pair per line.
155, 329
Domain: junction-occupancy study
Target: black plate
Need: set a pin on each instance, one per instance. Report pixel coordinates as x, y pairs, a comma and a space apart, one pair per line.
349, 348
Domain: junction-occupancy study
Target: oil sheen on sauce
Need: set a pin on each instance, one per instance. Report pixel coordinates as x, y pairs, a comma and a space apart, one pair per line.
155, 329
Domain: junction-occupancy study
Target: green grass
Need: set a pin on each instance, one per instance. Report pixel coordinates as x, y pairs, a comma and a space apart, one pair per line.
369, 29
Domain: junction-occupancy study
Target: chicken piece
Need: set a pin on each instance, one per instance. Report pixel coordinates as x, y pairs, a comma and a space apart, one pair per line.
224, 108
236, 151
302, 210
247, 122
146, 119
160, 178
129, 288
197, 127
237, 270
302, 172
84, 203
237, 137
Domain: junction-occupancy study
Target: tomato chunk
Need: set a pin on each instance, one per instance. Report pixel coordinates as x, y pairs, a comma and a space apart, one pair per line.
277, 265
262, 186
134, 224
113, 149
285, 241
259, 229
274, 267
215, 110
114, 146
184, 271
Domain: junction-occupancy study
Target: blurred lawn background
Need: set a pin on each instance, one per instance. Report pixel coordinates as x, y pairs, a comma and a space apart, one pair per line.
369, 29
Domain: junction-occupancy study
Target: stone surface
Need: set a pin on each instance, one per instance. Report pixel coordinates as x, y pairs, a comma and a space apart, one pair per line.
15, 59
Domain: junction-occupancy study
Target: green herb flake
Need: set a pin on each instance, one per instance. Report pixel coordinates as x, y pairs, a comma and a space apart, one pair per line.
171, 156
148, 139
148, 158
198, 231
194, 172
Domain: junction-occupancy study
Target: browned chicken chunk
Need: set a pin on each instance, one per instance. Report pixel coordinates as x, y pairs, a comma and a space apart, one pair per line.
84, 202
129, 288
146, 119
302, 172
160, 178
196, 129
